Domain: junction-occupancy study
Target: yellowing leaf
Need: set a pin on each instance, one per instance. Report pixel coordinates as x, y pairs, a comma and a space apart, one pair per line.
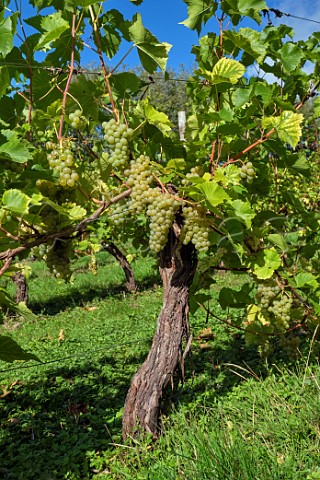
287, 125
227, 70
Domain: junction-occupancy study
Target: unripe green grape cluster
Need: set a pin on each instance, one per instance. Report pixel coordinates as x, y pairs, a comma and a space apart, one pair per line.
139, 178
39, 251
77, 120
159, 206
161, 210
197, 171
57, 258
195, 228
277, 305
116, 135
50, 219
290, 344
13, 167
247, 172
47, 188
61, 159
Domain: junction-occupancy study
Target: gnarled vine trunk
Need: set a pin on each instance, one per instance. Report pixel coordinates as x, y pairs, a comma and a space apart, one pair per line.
131, 284
22, 288
177, 268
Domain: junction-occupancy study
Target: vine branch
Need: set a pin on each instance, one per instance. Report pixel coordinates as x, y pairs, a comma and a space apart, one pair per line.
8, 255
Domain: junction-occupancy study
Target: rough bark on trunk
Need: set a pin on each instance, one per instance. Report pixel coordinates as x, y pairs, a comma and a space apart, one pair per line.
177, 268
131, 284
22, 287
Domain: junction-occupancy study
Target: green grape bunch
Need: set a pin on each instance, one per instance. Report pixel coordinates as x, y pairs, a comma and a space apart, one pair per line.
290, 344
61, 159
116, 136
58, 258
160, 206
77, 120
197, 171
275, 303
195, 228
247, 172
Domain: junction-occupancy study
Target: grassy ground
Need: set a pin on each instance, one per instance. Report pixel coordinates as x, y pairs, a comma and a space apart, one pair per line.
234, 418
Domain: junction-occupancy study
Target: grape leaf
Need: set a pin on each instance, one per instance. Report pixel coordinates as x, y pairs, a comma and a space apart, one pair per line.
303, 279
4, 79
226, 70
291, 56
287, 125
243, 211
152, 53
214, 193
199, 12
6, 35
10, 351
15, 201
18, 149
54, 26
266, 263
159, 119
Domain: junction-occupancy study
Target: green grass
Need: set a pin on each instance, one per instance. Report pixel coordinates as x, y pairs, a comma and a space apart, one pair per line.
234, 418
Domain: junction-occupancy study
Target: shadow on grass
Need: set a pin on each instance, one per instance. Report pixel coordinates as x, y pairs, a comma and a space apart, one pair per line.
213, 372
58, 425
76, 296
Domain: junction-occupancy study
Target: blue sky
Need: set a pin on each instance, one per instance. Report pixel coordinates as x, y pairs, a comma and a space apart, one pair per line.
162, 18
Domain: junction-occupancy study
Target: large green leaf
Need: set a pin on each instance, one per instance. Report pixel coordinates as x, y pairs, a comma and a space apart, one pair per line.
290, 55
249, 41
265, 263
153, 116
17, 149
199, 12
54, 26
7, 28
125, 84
252, 8
244, 8
4, 79
306, 279
229, 298
244, 211
214, 193
15, 201
152, 53
227, 70
287, 125
10, 351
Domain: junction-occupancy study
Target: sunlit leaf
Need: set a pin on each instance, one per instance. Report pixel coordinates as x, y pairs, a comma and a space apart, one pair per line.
152, 53
287, 125
266, 263
15, 201
53, 25
214, 193
227, 70
17, 149
199, 12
